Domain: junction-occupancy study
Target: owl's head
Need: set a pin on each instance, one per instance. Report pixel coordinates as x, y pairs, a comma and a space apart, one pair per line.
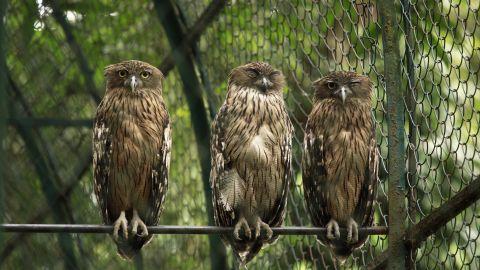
259, 76
343, 86
133, 75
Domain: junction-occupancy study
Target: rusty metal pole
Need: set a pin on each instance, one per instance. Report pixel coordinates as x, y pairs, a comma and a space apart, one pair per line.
410, 102
396, 135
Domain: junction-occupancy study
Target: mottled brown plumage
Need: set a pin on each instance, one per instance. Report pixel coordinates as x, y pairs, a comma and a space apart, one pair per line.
340, 160
131, 146
251, 156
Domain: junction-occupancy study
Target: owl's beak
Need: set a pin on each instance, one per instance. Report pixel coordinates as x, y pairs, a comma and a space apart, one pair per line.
265, 84
133, 83
343, 93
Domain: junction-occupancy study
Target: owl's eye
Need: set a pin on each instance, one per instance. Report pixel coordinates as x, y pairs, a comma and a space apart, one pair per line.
275, 73
252, 73
145, 74
122, 73
332, 85
352, 83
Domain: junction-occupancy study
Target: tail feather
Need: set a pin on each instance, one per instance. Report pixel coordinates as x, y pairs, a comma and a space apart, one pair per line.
129, 248
340, 249
246, 251
342, 253
256, 247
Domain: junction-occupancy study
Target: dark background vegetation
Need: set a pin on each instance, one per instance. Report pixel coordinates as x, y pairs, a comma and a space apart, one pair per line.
55, 55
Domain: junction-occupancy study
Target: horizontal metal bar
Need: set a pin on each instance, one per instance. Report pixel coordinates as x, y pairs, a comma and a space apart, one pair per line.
167, 229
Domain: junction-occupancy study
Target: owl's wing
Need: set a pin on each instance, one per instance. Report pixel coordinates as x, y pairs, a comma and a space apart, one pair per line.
102, 152
159, 178
314, 177
224, 180
365, 208
286, 162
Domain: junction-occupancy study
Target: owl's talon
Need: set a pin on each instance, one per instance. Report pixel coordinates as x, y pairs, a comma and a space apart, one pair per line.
352, 231
257, 230
242, 224
265, 234
137, 221
333, 231
122, 223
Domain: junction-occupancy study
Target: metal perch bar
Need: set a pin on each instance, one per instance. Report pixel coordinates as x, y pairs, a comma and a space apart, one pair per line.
167, 229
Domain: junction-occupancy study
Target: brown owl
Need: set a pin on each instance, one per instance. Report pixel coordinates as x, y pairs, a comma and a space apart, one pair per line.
131, 153
340, 160
251, 158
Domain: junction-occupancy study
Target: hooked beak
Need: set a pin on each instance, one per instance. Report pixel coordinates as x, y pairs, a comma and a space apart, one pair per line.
265, 84
343, 93
133, 83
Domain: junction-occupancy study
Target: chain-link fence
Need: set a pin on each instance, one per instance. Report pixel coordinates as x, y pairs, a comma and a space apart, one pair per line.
440, 75
56, 51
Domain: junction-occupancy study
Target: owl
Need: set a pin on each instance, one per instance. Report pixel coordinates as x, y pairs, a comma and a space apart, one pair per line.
340, 160
251, 159
131, 153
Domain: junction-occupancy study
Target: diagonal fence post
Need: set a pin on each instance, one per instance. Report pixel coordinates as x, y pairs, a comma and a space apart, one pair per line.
396, 135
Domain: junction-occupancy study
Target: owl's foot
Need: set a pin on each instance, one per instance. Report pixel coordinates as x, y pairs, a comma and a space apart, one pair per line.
242, 224
352, 231
333, 231
136, 221
263, 230
122, 223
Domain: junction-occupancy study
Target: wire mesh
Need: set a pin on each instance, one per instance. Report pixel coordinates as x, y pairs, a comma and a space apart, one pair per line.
439, 44
440, 71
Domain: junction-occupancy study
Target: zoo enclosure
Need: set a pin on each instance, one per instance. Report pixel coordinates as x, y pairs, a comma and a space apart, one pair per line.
423, 57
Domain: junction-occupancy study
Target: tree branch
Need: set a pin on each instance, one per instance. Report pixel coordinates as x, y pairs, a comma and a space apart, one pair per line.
440, 216
435, 220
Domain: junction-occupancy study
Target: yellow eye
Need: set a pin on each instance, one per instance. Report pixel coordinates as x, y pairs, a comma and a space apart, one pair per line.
145, 74
122, 73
